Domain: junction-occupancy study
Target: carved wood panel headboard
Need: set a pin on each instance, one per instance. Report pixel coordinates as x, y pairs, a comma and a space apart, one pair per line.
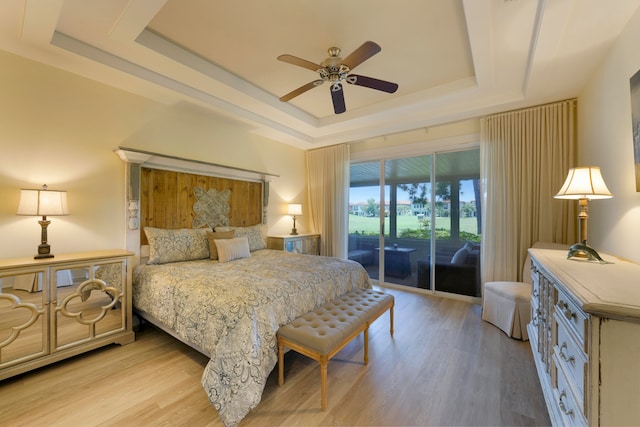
167, 198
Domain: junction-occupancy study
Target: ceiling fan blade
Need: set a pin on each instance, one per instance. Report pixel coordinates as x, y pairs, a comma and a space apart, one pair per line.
299, 62
372, 83
337, 96
361, 54
301, 90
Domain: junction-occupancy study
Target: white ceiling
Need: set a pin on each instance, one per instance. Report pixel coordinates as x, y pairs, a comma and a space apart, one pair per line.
452, 59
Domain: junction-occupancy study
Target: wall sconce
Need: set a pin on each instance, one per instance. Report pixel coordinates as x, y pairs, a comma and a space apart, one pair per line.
294, 209
584, 184
43, 203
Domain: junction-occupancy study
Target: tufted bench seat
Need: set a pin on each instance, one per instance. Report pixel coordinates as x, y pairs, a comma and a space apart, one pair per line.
322, 333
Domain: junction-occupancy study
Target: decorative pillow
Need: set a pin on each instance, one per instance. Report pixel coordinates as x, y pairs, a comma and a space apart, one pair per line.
230, 249
212, 235
173, 245
460, 257
256, 234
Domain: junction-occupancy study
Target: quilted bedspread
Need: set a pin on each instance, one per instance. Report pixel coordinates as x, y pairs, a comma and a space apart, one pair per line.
233, 310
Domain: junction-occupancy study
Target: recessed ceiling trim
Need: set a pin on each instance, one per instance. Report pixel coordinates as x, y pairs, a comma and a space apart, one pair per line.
478, 18
535, 38
166, 48
85, 50
134, 18
37, 25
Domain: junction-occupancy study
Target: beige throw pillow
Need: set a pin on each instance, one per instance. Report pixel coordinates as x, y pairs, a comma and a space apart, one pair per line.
220, 235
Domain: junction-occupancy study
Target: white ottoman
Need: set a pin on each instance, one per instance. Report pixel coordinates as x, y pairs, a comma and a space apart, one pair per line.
507, 305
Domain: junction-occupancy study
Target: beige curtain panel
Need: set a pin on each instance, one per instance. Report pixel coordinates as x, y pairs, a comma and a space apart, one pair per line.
328, 184
525, 156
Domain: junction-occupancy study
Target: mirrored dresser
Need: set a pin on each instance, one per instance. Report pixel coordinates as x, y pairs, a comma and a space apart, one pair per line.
55, 308
585, 337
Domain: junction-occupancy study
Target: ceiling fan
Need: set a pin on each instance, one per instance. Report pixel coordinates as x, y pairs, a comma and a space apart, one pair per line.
336, 70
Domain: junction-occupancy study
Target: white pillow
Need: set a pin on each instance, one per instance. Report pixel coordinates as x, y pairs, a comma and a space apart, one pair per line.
230, 249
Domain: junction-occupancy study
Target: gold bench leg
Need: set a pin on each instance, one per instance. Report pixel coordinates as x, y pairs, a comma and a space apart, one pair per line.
366, 346
391, 320
323, 382
280, 364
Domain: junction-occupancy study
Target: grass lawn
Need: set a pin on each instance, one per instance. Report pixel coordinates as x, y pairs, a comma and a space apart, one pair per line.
371, 225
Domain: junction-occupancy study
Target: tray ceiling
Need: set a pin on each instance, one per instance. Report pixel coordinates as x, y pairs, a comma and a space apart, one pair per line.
452, 59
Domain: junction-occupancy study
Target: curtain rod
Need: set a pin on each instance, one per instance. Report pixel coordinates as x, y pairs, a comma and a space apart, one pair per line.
573, 101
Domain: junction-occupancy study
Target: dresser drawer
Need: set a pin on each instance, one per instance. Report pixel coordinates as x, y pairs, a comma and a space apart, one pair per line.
575, 317
570, 355
565, 398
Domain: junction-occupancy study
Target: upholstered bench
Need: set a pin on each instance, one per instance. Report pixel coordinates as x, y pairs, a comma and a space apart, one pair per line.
322, 333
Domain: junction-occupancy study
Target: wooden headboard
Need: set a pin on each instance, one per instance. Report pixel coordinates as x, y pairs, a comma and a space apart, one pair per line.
167, 198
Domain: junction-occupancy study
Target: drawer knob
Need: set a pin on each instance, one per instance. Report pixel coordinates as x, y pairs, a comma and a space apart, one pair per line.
569, 359
563, 407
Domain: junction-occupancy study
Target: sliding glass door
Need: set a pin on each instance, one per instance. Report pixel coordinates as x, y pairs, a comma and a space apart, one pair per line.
408, 229
366, 216
401, 211
456, 265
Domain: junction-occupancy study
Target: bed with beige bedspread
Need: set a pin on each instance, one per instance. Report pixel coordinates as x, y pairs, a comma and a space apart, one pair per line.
232, 310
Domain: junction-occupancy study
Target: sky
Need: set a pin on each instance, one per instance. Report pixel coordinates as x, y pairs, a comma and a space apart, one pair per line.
362, 194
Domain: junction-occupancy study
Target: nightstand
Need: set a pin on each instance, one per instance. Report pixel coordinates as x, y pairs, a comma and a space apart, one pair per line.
301, 243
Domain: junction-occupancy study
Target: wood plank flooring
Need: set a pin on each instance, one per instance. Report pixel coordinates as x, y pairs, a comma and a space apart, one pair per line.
444, 366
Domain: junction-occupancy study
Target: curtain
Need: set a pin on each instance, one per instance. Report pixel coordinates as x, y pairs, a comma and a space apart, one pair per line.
328, 180
525, 156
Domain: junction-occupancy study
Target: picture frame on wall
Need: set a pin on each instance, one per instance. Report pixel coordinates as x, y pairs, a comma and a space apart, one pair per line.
635, 121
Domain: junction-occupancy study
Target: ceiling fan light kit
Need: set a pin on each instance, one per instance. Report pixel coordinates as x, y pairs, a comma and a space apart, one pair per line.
336, 70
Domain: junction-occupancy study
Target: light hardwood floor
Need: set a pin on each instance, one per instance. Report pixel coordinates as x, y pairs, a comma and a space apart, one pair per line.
444, 366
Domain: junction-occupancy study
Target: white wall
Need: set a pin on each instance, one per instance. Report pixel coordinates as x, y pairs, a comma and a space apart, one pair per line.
605, 140
449, 136
62, 130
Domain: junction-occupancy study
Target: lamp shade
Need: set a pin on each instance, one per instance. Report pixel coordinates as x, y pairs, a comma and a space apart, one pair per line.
43, 202
295, 209
584, 183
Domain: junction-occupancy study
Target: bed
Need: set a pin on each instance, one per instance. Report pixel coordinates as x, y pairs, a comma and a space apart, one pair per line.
231, 312
230, 308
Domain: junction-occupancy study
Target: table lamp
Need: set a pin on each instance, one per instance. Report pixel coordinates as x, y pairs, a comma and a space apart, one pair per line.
584, 184
294, 209
43, 203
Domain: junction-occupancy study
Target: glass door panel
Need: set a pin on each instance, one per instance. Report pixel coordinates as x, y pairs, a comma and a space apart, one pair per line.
457, 219
406, 246
364, 216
